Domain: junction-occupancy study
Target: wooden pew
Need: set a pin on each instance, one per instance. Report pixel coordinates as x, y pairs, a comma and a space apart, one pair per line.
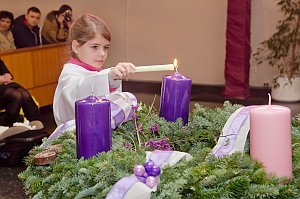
37, 69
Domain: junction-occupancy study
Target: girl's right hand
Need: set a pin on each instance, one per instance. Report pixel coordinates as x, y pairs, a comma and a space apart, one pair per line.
122, 70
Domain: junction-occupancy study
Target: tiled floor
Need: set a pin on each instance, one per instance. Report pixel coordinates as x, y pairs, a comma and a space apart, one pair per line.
11, 187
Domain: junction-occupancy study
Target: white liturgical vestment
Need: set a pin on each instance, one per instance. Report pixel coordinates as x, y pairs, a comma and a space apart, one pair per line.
76, 83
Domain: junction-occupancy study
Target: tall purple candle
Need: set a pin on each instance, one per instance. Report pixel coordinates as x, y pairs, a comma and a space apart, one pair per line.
175, 97
93, 132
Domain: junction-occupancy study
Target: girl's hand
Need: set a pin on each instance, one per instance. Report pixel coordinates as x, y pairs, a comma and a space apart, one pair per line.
122, 70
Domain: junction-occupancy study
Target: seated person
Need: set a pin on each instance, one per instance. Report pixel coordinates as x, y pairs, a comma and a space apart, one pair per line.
57, 24
13, 97
25, 29
6, 36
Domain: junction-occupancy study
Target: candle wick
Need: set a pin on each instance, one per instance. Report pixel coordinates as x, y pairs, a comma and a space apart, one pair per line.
270, 98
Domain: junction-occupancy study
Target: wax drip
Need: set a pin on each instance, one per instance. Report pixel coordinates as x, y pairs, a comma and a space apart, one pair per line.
175, 65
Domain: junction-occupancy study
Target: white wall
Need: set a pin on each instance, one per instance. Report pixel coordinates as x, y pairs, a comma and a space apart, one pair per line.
164, 31
265, 15
155, 32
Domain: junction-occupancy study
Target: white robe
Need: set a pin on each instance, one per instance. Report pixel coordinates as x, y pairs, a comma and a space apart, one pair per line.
76, 83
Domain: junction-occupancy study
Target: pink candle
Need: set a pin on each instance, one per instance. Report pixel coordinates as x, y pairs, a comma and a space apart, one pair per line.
270, 138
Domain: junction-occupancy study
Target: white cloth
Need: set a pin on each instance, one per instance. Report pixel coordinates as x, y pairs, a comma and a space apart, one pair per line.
76, 83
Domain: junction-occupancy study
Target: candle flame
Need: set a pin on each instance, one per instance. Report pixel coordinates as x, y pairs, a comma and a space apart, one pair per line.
270, 98
175, 65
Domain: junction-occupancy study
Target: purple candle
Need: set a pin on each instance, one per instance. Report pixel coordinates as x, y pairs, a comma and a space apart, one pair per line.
175, 97
93, 134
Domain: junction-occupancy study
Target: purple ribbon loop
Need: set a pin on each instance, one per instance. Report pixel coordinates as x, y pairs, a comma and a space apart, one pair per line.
120, 189
233, 132
118, 115
59, 130
160, 157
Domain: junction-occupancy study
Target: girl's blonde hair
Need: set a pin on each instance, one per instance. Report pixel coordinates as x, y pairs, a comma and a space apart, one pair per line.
86, 28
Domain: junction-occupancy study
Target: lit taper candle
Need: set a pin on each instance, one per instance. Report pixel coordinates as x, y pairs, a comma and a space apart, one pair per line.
164, 67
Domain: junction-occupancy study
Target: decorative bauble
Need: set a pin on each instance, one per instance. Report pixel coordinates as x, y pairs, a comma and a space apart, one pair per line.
154, 171
139, 170
151, 181
148, 165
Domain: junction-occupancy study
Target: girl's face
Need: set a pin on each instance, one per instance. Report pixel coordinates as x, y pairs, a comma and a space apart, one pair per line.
5, 24
93, 52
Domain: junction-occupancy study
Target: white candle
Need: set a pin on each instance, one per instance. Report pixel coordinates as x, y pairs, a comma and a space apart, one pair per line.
154, 68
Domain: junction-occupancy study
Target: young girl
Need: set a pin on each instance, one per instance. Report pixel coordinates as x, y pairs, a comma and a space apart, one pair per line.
89, 40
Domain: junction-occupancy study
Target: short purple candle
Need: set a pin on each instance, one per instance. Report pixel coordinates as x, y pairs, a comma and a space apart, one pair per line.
93, 132
175, 97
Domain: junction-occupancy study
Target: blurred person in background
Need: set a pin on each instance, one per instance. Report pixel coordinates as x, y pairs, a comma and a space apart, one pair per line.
56, 24
6, 36
13, 97
25, 29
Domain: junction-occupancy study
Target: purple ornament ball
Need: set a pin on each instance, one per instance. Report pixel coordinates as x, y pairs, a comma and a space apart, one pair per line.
148, 165
151, 182
154, 171
139, 170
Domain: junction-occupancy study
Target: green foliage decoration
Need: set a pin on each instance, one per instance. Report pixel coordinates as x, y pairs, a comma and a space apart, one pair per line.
234, 176
281, 50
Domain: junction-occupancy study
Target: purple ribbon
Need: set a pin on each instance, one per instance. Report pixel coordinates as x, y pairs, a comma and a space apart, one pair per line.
60, 130
160, 157
233, 132
120, 189
118, 114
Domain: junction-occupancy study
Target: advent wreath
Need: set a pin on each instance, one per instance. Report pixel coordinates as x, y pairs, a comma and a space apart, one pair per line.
233, 176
